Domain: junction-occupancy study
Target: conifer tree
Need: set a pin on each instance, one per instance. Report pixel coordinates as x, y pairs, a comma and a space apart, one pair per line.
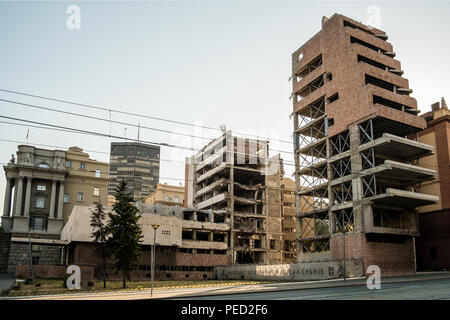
124, 232
99, 233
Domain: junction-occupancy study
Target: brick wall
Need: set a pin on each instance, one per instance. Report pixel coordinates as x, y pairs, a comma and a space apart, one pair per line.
433, 245
19, 254
392, 258
5, 242
52, 272
202, 260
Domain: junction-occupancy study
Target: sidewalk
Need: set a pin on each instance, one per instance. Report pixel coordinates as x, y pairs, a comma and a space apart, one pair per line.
6, 281
208, 291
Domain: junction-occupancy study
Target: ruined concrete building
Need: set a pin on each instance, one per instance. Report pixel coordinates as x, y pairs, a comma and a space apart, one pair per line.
189, 243
235, 178
357, 175
289, 216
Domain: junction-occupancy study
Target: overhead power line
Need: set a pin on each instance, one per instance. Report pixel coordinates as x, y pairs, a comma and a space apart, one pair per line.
47, 126
138, 115
28, 105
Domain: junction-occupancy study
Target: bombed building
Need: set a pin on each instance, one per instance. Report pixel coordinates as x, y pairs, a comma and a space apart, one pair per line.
234, 177
358, 175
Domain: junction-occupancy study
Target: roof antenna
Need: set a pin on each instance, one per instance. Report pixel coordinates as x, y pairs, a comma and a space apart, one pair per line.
139, 127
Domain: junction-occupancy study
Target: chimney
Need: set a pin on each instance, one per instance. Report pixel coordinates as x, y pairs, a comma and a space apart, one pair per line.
443, 104
435, 107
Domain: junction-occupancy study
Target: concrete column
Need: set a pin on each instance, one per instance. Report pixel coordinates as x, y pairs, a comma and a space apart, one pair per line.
60, 200
211, 236
19, 196
7, 202
52, 200
194, 234
28, 197
211, 215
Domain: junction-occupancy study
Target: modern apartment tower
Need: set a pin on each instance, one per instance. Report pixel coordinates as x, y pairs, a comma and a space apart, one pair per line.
358, 176
234, 178
137, 164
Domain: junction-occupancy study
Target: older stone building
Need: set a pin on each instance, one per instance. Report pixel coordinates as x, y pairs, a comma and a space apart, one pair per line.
42, 187
167, 195
433, 244
357, 174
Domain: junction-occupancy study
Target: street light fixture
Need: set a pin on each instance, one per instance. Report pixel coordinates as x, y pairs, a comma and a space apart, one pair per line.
155, 227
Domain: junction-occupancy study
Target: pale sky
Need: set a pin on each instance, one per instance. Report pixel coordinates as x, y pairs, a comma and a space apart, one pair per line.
204, 62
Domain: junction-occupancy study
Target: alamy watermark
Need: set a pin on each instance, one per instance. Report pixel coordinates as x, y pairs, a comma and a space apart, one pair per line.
374, 280
73, 21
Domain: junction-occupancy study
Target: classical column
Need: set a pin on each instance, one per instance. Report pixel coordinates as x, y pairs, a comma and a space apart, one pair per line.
7, 202
52, 200
28, 197
60, 200
19, 197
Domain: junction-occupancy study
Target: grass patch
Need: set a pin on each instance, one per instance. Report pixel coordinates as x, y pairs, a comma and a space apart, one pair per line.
56, 286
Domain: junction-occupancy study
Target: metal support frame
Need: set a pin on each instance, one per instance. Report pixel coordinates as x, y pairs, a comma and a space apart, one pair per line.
368, 159
369, 185
343, 220
340, 143
366, 131
317, 232
313, 155
342, 192
315, 110
341, 167
314, 201
313, 177
310, 67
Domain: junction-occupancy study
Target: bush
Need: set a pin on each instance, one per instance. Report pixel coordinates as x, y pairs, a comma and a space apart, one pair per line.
65, 281
5, 292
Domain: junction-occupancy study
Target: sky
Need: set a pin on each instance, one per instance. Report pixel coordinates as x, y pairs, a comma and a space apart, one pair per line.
202, 62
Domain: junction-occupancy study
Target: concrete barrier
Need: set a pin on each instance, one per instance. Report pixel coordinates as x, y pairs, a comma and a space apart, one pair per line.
284, 272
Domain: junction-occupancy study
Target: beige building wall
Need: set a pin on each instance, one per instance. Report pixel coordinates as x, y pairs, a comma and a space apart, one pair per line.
274, 222
86, 182
78, 228
289, 219
430, 162
167, 195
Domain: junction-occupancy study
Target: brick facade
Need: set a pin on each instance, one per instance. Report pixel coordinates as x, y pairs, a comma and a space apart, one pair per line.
46, 255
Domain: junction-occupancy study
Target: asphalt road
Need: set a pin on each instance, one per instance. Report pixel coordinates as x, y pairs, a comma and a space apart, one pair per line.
414, 290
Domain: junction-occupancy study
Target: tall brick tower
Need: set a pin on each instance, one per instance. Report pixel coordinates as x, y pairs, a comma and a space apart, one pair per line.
357, 174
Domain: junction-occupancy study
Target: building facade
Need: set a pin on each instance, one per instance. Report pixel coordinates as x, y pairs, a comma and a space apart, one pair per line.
137, 164
188, 243
433, 245
42, 187
235, 177
357, 175
166, 195
289, 217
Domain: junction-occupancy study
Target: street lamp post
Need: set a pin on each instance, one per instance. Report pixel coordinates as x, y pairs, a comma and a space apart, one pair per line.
155, 227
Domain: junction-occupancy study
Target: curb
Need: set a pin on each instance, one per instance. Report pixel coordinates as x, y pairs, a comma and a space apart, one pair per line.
137, 290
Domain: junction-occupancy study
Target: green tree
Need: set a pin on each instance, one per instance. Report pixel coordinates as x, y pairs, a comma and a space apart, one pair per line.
99, 233
124, 232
